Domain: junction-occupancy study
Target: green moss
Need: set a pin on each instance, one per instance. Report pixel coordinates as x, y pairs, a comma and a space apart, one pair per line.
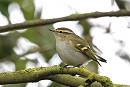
80, 86
96, 84
90, 77
83, 69
9, 73
123, 11
36, 74
30, 70
106, 81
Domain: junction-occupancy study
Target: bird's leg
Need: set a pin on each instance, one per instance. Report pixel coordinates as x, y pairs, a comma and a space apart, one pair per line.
65, 66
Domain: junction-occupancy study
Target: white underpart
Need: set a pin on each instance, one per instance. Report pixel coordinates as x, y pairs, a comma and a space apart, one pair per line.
68, 55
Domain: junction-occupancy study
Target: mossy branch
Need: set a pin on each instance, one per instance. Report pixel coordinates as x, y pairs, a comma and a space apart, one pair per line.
73, 17
65, 79
54, 73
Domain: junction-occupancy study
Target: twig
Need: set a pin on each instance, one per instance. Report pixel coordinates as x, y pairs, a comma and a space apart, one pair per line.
13, 57
73, 17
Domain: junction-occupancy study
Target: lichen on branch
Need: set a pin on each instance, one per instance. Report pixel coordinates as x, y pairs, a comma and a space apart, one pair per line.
54, 73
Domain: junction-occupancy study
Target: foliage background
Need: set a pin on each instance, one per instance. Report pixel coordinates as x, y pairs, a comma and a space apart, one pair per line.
35, 47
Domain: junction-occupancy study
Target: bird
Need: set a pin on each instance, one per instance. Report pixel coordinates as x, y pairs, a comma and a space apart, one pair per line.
72, 49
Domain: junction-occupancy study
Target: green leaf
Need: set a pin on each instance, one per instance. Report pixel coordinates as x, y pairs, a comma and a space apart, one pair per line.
61, 64
4, 7
7, 42
43, 38
20, 64
93, 66
86, 27
27, 7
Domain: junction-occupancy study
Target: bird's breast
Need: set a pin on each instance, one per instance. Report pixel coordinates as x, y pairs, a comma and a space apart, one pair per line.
68, 54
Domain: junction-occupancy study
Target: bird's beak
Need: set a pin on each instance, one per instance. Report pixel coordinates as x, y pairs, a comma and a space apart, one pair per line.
52, 30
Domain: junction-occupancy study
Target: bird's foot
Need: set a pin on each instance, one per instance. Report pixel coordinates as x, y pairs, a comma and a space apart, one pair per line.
61, 70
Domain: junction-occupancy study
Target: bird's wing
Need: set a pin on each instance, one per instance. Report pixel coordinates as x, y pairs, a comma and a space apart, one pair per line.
85, 49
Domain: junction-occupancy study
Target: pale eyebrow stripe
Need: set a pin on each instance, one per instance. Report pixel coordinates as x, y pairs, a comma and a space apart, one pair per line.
67, 31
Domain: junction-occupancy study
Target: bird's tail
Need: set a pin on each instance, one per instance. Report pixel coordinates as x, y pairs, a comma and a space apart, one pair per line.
101, 59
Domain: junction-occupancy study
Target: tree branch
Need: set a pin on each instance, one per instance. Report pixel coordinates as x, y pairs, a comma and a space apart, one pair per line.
32, 50
54, 73
41, 73
73, 17
65, 79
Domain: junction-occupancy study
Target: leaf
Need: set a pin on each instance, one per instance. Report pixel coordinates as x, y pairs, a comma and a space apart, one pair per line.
92, 66
27, 7
43, 38
7, 42
121, 4
4, 7
20, 64
86, 26
61, 64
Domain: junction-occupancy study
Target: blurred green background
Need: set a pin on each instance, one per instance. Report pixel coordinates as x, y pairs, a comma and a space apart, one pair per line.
26, 48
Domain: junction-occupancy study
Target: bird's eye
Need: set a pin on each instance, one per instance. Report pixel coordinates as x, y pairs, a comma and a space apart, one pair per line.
60, 31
